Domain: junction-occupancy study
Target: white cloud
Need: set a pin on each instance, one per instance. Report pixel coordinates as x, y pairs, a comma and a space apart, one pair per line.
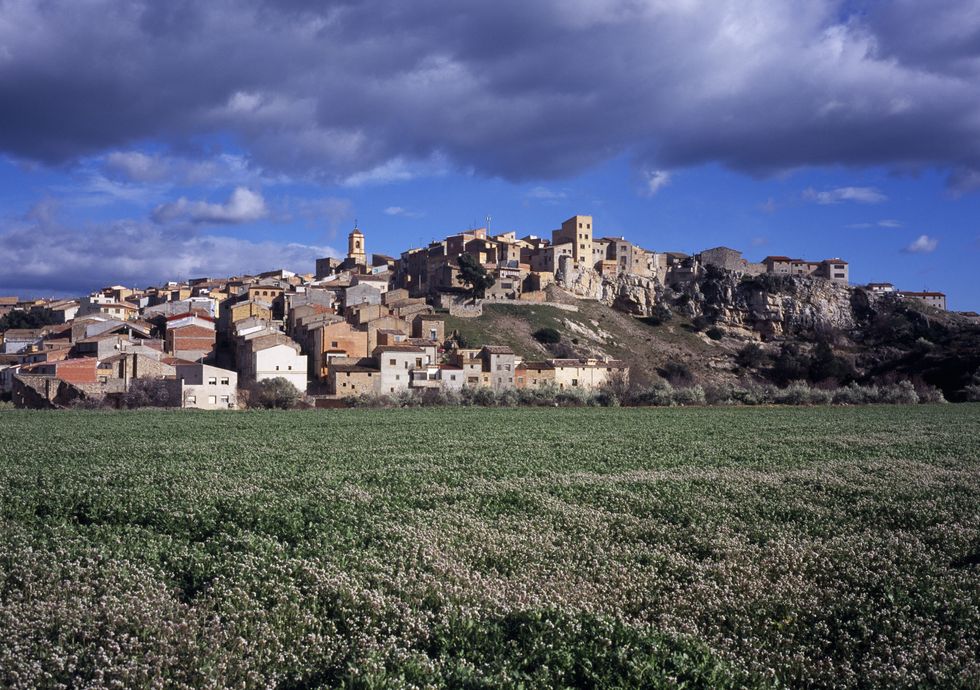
391, 171
243, 206
544, 194
924, 244
655, 181
44, 256
887, 223
402, 212
138, 166
862, 195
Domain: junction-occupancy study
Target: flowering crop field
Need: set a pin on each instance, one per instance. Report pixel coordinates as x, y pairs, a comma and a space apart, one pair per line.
484, 548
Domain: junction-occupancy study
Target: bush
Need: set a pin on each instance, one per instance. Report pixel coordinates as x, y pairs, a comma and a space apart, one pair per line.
572, 397
826, 365
899, 394
275, 393
677, 373
699, 323
694, 395
604, 398
478, 396
660, 394
929, 394
547, 336
715, 333
790, 365
149, 393
751, 356
972, 389
853, 394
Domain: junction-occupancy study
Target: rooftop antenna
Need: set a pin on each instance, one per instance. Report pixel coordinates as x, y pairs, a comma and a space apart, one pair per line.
488, 226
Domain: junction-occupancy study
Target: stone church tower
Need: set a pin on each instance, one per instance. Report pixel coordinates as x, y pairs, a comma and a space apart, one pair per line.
355, 247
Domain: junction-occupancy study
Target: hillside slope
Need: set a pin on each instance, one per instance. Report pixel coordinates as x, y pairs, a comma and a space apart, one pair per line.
724, 328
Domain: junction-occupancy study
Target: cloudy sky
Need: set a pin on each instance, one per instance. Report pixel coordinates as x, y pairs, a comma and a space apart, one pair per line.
141, 141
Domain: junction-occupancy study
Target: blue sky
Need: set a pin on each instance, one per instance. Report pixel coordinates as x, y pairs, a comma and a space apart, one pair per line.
242, 136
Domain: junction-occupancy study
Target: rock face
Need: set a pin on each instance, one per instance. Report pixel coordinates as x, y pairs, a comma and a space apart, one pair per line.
766, 305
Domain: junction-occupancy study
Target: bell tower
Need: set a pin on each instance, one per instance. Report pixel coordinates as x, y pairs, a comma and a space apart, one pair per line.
355, 247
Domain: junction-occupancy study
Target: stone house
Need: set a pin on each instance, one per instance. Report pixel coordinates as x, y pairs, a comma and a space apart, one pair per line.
396, 363
353, 377
500, 362
534, 375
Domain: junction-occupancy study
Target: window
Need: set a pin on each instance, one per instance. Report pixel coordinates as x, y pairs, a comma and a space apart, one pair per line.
225, 399
398, 377
418, 361
333, 343
500, 367
212, 400
212, 381
277, 367
574, 382
432, 334
392, 362
290, 367
191, 399
224, 381
507, 367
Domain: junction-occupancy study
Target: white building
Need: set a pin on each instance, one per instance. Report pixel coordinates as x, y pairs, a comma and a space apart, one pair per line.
396, 363
207, 388
277, 356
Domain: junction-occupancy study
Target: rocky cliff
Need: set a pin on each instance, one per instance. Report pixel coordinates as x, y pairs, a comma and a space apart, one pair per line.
765, 305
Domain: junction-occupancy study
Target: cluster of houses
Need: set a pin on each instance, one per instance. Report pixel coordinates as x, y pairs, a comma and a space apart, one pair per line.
355, 326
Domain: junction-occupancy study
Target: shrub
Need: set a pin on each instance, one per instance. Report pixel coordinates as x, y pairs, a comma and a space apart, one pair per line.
604, 398
796, 393
699, 323
693, 395
790, 365
508, 398
478, 396
660, 394
902, 393
972, 389
547, 336
572, 397
929, 394
853, 394
677, 373
715, 333
826, 365
275, 393
751, 356
149, 393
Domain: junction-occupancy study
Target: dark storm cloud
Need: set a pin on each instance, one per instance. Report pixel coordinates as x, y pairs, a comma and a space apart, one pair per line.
517, 89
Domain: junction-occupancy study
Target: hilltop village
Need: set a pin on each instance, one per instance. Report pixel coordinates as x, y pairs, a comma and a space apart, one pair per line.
360, 325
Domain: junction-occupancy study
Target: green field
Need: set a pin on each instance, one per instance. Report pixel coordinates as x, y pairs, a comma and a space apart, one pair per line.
470, 547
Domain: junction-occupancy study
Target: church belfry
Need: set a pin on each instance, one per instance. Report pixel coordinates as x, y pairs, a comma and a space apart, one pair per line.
355, 247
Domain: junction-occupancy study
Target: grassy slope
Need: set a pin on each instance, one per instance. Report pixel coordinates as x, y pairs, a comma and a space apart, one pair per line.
642, 346
463, 547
